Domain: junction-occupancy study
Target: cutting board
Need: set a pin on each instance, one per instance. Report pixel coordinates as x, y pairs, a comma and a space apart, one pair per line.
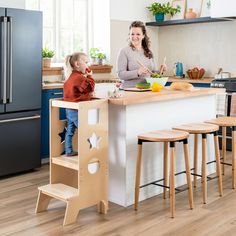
137, 89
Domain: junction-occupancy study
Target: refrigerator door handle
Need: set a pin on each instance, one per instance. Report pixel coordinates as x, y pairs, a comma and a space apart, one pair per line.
3, 80
21, 119
9, 55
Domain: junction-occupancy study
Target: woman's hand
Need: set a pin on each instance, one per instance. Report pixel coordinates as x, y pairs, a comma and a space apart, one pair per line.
163, 68
143, 71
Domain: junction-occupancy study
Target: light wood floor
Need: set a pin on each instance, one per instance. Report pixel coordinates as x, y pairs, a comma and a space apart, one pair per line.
18, 196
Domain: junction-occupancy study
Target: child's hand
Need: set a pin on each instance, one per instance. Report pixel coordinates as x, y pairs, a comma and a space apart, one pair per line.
88, 71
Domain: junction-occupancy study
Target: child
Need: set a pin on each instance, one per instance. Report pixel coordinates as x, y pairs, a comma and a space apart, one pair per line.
78, 87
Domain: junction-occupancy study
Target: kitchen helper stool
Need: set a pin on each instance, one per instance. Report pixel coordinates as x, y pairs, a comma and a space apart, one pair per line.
165, 136
204, 129
224, 122
80, 181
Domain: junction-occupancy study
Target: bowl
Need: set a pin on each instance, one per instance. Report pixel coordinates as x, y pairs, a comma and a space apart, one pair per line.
143, 86
162, 81
195, 73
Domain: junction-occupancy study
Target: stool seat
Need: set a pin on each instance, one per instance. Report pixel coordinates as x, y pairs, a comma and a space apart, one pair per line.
227, 121
197, 128
164, 136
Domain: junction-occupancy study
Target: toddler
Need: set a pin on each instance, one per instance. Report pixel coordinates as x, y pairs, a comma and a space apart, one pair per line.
78, 87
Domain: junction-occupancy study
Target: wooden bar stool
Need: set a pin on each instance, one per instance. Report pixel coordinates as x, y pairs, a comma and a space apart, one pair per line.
165, 136
204, 129
224, 122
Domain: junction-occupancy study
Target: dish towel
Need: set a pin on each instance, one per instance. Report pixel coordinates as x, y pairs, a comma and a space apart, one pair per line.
221, 104
233, 105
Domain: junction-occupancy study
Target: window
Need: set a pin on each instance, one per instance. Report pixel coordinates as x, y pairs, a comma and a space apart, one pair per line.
65, 25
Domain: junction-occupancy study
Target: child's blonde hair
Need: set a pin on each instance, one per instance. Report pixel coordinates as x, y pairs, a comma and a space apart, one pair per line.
70, 62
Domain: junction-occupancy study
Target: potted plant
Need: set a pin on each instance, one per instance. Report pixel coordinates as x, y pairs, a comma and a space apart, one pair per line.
159, 10
101, 57
47, 56
93, 54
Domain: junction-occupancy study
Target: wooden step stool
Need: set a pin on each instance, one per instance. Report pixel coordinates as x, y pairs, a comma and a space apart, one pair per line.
204, 129
71, 178
224, 122
165, 136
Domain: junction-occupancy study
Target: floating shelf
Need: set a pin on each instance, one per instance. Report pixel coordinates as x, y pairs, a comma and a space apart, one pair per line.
188, 21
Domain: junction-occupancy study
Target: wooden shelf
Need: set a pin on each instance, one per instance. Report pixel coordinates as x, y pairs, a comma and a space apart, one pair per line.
188, 21
59, 191
69, 162
101, 68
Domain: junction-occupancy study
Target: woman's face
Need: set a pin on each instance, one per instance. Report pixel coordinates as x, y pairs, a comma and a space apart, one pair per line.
136, 36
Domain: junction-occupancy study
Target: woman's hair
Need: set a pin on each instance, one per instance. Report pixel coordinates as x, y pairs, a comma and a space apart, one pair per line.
145, 41
70, 62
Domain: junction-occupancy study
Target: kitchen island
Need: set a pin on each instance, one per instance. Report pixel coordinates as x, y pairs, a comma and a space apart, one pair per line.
140, 112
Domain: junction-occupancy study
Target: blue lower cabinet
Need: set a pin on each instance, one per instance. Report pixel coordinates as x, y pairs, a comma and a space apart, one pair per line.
48, 94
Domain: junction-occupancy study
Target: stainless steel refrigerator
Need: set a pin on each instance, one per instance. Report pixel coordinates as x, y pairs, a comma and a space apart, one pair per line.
20, 89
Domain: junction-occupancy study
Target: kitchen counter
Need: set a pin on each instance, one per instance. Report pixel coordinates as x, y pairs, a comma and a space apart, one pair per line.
140, 112
205, 80
130, 98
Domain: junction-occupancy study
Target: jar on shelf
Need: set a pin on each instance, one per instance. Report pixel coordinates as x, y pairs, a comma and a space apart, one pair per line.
190, 14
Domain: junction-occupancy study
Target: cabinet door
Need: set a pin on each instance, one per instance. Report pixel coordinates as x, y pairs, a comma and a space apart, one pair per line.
221, 9
46, 96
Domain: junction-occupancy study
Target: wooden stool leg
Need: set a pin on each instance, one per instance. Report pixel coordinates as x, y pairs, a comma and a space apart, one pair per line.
204, 177
172, 179
223, 148
72, 211
138, 173
102, 207
195, 160
233, 156
42, 202
218, 167
165, 168
188, 174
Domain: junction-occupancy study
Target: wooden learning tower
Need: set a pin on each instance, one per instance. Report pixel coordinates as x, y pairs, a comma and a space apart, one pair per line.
79, 181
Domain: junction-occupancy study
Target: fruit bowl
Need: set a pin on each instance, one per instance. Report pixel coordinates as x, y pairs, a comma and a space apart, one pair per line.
195, 73
162, 81
143, 86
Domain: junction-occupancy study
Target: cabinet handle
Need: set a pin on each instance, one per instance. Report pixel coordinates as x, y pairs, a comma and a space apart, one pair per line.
20, 119
58, 93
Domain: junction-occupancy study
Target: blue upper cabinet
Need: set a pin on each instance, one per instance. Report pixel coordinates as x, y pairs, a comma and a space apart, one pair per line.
46, 96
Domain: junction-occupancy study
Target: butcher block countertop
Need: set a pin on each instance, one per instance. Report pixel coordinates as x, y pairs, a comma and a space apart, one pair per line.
130, 98
205, 80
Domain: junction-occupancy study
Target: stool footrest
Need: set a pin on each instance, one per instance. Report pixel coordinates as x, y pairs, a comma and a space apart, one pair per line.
225, 163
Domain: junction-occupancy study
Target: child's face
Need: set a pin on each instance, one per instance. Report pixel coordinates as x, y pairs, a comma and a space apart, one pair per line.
82, 64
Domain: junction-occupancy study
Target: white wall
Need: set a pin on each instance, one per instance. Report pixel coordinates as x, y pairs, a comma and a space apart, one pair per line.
12, 3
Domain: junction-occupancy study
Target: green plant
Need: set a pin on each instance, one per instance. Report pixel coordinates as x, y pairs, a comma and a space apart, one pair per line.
93, 52
164, 8
46, 53
101, 55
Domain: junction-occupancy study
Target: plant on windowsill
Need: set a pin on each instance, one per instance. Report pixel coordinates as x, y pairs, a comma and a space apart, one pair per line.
159, 10
101, 57
47, 56
93, 54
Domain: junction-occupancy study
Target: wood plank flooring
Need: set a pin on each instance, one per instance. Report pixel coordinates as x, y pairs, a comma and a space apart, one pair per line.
18, 197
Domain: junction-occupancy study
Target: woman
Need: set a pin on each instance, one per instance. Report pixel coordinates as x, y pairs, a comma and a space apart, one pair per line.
135, 61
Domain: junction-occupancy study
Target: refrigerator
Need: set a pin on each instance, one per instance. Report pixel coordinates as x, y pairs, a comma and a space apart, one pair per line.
20, 90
